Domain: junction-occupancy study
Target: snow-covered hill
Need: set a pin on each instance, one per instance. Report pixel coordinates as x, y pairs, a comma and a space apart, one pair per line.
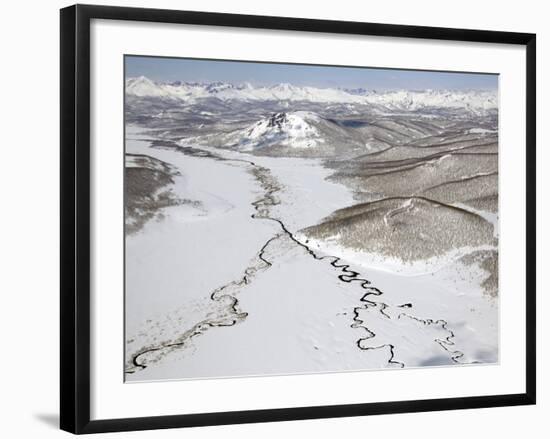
290, 133
296, 130
404, 100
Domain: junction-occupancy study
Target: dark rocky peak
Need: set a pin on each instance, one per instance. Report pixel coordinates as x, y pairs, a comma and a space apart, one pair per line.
277, 120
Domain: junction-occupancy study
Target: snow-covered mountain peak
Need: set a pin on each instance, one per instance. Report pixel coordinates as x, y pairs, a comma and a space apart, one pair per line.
294, 129
283, 86
217, 87
245, 86
286, 121
142, 86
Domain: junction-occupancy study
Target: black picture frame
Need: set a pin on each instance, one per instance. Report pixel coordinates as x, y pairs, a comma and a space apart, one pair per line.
75, 217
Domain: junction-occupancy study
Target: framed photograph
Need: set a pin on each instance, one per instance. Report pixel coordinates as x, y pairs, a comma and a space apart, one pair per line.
268, 218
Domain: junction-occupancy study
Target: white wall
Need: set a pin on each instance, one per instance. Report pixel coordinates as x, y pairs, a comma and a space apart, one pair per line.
29, 216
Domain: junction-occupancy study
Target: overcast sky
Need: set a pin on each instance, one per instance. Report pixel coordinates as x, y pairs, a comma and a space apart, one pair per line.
237, 72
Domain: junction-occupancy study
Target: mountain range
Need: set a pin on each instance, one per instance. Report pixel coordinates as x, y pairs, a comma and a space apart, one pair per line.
472, 101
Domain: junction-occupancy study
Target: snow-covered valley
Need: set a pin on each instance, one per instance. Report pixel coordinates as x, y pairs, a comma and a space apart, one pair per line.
227, 281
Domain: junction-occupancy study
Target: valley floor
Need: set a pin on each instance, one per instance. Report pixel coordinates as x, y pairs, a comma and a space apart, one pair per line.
224, 283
